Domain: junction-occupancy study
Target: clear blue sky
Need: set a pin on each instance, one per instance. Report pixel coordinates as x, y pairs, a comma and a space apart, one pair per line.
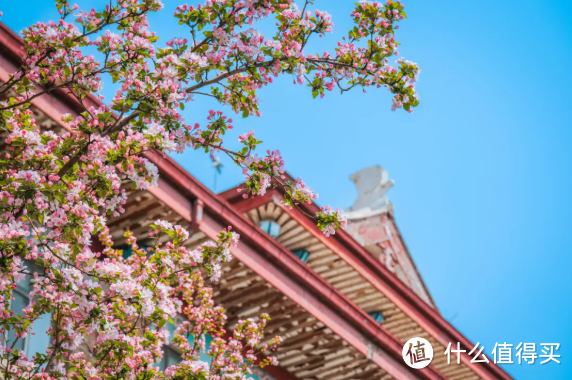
482, 168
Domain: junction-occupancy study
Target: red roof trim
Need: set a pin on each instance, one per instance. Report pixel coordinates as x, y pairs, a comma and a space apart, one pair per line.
379, 276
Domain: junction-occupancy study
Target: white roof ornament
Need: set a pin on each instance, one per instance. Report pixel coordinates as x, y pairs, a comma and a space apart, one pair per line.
372, 184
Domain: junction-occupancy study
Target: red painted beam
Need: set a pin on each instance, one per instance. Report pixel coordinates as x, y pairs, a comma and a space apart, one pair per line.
380, 277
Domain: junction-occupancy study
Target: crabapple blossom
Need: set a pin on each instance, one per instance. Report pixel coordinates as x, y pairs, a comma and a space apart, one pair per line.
298, 192
330, 220
59, 187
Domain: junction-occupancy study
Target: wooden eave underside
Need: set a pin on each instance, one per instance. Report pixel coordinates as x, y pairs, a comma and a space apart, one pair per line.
309, 350
348, 281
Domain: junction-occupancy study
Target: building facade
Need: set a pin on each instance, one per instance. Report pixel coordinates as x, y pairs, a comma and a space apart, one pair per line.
345, 305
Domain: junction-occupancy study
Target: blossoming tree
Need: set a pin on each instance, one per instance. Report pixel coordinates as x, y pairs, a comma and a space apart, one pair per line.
57, 190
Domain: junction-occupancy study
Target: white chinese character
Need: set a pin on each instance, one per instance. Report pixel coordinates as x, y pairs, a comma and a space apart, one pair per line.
504, 353
550, 356
526, 351
474, 360
457, 351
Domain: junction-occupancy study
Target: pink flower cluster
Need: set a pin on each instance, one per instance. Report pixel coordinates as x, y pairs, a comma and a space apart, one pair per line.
297, 192
330, 220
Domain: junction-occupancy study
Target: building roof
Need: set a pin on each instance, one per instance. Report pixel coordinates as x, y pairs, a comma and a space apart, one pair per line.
408, 315
328, 332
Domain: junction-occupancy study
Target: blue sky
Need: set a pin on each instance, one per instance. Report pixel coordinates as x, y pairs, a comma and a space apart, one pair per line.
482, 167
